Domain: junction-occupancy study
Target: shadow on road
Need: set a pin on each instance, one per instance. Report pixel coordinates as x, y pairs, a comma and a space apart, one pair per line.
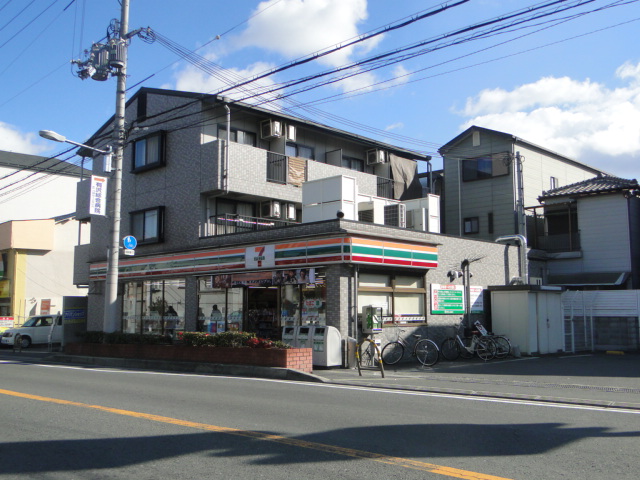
406, 441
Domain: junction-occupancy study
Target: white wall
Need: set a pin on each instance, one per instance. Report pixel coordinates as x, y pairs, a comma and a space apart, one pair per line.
46, 195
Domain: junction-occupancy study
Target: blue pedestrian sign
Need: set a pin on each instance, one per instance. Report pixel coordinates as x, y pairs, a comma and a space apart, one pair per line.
130, 242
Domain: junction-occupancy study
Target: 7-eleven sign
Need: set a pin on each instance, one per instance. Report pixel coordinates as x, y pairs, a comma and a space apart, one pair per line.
262, 256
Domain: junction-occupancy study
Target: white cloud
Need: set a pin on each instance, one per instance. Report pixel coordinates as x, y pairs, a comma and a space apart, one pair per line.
192, 79
12, 140
394, 126
295, 28
584, 120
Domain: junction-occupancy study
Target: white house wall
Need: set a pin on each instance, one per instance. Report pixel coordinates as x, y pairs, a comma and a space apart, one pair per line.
599, 217
50, 196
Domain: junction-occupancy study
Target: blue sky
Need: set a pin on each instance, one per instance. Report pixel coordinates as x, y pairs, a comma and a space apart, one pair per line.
568, 84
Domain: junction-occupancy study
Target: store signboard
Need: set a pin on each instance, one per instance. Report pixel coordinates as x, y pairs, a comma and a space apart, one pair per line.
476, 299
447, 299
267, 278
261, 256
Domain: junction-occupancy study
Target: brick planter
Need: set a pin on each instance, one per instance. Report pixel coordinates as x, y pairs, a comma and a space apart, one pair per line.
295, 358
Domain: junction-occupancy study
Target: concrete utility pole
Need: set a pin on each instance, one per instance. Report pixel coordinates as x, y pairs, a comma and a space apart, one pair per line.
110, 323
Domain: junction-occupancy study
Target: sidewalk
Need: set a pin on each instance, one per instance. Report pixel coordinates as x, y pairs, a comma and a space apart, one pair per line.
592, 379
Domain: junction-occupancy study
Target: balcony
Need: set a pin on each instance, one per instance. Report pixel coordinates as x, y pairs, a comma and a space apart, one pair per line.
566, 242
230, 223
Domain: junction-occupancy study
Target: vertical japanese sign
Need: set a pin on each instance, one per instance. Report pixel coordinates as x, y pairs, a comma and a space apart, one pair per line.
98, 199
476, 299
447, 299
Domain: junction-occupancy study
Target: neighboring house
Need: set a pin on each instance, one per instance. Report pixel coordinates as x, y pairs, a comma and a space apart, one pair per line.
36, 187
484, 198
37, 235
290, 223
589, 233
36, 267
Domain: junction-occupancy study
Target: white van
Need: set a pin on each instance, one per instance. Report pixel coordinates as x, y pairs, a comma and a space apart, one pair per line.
38, 329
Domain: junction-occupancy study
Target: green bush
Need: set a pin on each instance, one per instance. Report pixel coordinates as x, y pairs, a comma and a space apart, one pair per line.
229, 339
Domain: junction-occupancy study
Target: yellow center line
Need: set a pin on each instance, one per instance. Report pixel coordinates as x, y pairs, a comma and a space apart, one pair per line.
349, 452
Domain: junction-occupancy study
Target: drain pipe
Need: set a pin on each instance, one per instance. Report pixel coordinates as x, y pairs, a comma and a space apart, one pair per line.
226, 147
522, 261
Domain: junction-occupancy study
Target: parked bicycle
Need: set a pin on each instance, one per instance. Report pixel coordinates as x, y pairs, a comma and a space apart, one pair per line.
368, 356
425, 350
503, 345
454, 347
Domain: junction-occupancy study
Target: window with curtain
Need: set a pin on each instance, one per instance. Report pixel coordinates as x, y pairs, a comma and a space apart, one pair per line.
148, 152
402, 297
148, 225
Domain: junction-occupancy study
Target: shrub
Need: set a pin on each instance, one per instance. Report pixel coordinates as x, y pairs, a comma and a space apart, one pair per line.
229, 339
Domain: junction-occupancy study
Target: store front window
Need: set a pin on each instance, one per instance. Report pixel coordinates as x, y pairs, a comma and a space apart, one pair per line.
154, 307
262, 302
401, 297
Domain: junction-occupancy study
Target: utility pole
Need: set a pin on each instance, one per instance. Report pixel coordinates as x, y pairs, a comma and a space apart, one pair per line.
105, 60
110, 323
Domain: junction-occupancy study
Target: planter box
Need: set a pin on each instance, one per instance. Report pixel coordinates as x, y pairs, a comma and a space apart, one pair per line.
294, 358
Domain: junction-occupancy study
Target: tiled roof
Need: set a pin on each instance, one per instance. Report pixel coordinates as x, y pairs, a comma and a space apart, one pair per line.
593, 185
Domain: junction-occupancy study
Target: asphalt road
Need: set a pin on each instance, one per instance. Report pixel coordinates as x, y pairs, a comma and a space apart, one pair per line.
75, 423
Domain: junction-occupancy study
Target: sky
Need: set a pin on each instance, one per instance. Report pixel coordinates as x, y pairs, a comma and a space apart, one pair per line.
568, 81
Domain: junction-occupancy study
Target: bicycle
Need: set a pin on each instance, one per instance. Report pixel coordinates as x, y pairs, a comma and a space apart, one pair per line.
368, 356
454, 347
503, 346
425, 350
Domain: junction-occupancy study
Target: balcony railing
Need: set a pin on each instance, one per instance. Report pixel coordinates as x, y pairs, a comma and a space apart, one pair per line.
229, 223
558, 243
277, 168
385, 187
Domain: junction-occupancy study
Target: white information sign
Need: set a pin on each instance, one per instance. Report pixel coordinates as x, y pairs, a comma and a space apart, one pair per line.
98, 199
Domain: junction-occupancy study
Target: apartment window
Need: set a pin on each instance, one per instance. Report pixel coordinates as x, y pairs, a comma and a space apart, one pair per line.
553, 182
471, 225
486, 166
296, 150
148, 152
353, 163
238, 136
148, 225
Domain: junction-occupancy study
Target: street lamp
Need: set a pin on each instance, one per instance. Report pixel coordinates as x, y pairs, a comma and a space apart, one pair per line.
111, 281
56, 137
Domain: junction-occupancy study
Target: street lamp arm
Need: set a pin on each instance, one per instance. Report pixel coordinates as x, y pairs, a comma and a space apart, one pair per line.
56, 137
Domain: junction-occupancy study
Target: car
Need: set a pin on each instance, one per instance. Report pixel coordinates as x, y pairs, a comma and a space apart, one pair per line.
37, 329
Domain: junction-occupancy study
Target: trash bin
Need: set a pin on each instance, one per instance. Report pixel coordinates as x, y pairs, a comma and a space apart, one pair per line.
303, 336
327, 346
289, 336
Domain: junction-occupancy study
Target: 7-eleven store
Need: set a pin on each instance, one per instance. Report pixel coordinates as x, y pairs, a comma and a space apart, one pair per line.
262, 288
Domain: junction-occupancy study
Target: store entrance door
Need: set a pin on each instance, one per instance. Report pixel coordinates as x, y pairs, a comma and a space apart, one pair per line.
262, 307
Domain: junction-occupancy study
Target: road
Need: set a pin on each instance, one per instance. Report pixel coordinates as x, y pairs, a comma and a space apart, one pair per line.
93, 423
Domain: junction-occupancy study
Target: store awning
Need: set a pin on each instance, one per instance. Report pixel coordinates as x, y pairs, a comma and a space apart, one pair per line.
588, 279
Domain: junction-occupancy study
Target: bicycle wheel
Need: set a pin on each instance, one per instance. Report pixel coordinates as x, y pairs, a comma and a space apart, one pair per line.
485, 348
462, 348
392, 353
427, 352
503, 346
449, 349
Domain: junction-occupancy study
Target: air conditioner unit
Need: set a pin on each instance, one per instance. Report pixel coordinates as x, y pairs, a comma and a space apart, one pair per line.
270, 129
395, 215
290, 211
270, 209
291, 132
376, 156
418, 219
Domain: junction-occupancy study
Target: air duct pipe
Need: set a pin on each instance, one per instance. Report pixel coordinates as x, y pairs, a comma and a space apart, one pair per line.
522, 262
